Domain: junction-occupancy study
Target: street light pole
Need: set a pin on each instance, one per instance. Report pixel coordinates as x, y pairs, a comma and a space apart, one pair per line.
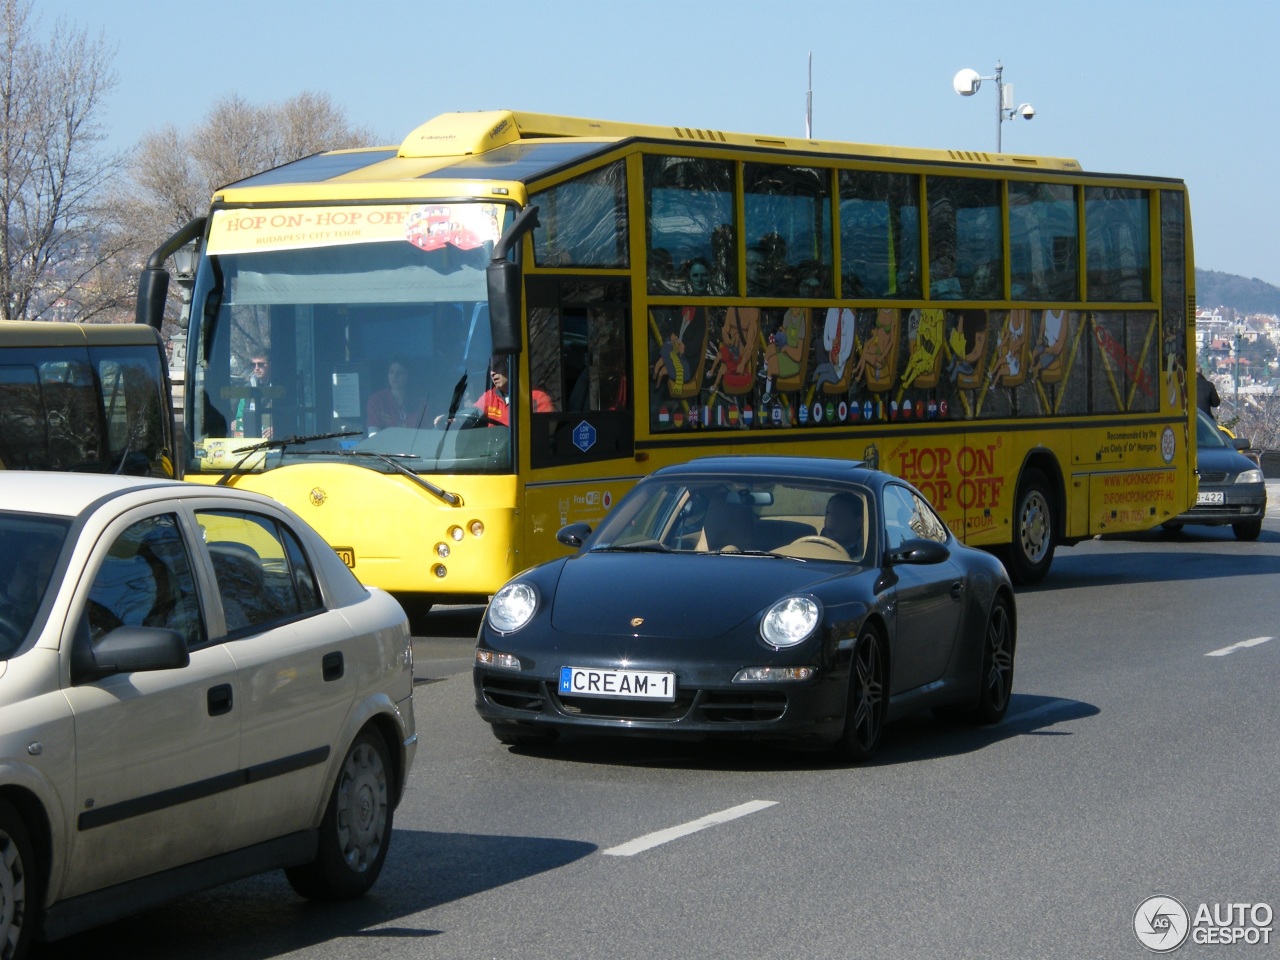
1239, 330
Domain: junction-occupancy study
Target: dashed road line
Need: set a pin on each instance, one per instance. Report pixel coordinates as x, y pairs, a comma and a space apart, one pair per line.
650, 840
1238, 646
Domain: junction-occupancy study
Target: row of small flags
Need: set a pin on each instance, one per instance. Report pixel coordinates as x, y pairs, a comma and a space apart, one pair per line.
778, 413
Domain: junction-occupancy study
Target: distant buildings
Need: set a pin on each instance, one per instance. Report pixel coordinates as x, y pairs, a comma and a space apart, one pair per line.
1228, 342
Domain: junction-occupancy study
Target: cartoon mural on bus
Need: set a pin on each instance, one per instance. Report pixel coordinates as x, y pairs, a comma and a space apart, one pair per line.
743, 367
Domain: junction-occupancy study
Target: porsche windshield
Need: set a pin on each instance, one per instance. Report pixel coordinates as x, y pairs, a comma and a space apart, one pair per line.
356, 332
800, 518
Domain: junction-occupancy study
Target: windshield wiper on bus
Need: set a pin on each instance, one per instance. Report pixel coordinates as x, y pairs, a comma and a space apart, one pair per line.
280, 444
452, 499
390, 459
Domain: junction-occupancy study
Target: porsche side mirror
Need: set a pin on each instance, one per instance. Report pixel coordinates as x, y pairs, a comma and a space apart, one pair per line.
574, 534
920, 551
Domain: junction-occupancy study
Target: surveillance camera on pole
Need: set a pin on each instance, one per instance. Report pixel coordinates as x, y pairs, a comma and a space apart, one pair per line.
967, 82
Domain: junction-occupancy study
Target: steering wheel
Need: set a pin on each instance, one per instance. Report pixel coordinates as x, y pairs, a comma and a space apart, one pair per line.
826, 543
822, 541
466, 420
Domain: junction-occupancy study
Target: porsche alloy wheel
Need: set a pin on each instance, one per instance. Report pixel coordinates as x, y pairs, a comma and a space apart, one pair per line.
864, 713
356, 828
997, 665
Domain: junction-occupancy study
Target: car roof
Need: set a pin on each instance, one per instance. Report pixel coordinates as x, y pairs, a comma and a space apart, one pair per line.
761, 465
69, 494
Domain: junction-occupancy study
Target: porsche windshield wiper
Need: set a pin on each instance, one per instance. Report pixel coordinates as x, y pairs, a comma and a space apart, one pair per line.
643, 546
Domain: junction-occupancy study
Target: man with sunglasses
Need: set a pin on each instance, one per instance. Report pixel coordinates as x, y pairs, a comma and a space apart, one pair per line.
248, 421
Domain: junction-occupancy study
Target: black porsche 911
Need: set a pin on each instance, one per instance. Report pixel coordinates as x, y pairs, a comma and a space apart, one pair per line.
784, 598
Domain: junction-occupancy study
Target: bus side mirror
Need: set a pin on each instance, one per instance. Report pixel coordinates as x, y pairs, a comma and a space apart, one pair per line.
153, 287
504, 305
503, 278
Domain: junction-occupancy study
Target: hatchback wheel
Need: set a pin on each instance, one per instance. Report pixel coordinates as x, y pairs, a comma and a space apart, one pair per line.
19, 900
356, 829
1247, 529
865, 710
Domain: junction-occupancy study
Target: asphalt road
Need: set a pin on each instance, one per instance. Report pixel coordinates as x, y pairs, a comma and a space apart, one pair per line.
1138, 758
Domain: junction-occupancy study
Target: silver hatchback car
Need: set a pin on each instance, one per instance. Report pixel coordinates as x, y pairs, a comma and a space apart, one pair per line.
194, 689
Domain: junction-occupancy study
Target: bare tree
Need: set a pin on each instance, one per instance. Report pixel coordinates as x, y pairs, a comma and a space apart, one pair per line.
173, 175
51, 169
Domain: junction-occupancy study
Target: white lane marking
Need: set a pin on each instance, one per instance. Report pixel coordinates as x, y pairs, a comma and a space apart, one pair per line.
1238, 646
1050, 707
650, 840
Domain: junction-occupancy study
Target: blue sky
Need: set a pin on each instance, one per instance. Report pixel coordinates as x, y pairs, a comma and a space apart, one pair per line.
1179, 88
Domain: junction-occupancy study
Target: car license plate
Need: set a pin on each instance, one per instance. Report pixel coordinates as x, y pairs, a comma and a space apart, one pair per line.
1209, 496
621, 684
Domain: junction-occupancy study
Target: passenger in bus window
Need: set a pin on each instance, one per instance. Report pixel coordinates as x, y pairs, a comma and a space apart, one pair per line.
495, 403
810, 280
398, 405
699, 277
252, 416
757, 272
777, 265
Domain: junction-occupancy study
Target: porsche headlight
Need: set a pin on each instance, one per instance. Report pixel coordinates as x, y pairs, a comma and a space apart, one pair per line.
512, 607
790, 621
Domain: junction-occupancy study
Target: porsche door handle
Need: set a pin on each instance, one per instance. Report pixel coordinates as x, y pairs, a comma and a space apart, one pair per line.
219, 699
957, 590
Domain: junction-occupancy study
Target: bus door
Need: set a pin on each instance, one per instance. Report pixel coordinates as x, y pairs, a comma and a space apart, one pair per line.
582, 402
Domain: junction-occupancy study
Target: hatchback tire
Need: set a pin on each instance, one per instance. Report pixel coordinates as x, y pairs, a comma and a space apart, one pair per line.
356, 829
19, 885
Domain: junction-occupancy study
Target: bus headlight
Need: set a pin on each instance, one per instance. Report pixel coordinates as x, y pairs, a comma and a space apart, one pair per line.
790, 621
456, 534
477, 528
442, 550
512, 607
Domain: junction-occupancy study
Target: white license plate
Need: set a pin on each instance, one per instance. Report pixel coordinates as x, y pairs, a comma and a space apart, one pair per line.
1211, 496
619, 684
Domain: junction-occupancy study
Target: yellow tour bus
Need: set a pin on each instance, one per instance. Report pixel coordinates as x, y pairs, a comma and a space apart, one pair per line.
86, 397
441, 353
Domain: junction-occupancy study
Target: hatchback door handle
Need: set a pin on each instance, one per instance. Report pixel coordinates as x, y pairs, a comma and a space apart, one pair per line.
219, 699
332, 666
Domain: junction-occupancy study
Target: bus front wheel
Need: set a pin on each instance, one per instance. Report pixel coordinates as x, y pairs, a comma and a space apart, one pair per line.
1031, 552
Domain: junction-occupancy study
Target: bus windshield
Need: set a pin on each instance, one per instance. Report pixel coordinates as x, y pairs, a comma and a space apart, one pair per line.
376, 351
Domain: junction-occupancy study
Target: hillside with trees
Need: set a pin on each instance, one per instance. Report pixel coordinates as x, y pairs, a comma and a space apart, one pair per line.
1242, 294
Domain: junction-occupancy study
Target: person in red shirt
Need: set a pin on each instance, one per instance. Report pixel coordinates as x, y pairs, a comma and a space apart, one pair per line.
396, 406
495, 403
